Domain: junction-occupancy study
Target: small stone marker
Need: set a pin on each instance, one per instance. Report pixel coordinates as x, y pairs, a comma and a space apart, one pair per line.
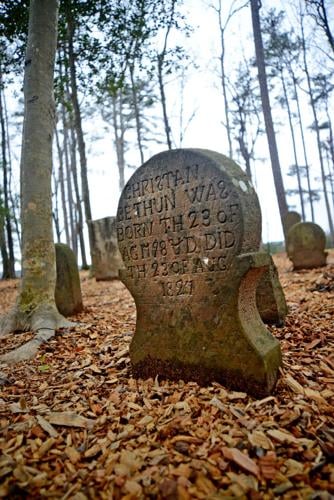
189, 226
270, 297
106, 258
306, 244
68, 291
289, 220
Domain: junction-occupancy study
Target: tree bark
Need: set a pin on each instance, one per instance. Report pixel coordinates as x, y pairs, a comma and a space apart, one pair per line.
7, 216
275, 164
317, 131
299, 182
118, 125
136, 111
35, 308
79, 133
62, 187
304, 146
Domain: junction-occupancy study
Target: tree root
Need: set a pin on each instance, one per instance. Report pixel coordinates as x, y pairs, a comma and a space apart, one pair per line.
44, 321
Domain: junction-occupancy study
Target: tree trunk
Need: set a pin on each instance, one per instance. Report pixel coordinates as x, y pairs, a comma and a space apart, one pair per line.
80, 219
79, 134
317, 131
223, 78
300, 188
35, 308
62, 187
67, 169
117, 111
7, 216
136, 111
74, 173
55, 211
275, 165
304, 147
3, 248
11, 197
163, 102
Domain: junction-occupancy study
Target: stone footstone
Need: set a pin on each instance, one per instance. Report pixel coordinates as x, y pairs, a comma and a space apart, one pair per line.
189, 227
68, 291
306, 244
270, 297
106, 259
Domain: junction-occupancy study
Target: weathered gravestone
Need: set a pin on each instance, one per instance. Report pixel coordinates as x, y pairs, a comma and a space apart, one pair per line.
188, 226
106, 259
306, 243
68, 291
290, 219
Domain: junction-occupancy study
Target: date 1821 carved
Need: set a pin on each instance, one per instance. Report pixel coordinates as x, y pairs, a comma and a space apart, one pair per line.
188, 229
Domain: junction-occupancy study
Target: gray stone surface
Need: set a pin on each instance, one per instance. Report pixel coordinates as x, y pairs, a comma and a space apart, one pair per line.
270, 297
68, 291
106, 258
289, 220
189, 227
306, 243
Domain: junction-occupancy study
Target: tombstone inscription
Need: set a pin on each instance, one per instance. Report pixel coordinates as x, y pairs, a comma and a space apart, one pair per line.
188, 228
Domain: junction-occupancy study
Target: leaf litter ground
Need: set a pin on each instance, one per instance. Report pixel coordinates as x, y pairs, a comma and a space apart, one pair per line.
74, 424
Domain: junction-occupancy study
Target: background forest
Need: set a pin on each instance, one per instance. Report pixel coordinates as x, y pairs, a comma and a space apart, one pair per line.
134, 78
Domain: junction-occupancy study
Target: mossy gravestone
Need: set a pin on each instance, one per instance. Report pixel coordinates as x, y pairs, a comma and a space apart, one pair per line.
68, 291
106, 259
306, 243
189, 227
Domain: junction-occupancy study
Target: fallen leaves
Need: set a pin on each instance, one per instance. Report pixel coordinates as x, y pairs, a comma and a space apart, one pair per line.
82, 428
69, 419
241, 459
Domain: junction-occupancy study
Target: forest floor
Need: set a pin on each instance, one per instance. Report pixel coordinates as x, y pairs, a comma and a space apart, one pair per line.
75, 425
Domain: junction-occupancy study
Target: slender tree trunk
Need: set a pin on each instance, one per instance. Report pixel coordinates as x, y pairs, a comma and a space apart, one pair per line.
80, 218
300, 188
74, 172
62, 187
35, 308
55, 211
223, 79
5, 166
117, 117
136, 111
304, 147
3, 249
69, 188
317, 131
73, 235
13, 205
163, 102
275, 165
80, 135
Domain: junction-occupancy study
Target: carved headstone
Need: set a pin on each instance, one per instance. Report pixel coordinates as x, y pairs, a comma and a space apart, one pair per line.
189, 226
306, 243
289, 220
270, 297
68, 291
106, 259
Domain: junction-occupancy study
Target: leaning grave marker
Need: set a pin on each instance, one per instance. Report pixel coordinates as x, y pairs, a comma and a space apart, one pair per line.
189, 226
